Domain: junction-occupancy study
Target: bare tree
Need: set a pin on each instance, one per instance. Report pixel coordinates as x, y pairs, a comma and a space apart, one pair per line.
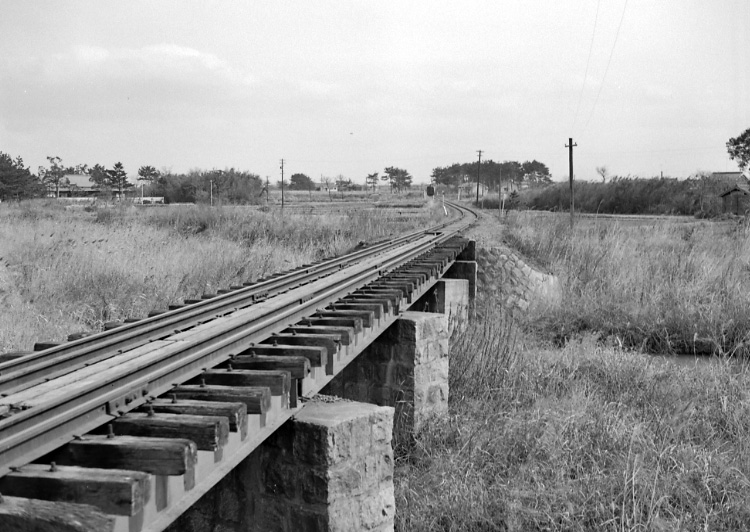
603, 172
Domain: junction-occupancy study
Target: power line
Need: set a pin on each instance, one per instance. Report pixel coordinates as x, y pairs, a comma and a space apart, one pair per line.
606, 70
588, 61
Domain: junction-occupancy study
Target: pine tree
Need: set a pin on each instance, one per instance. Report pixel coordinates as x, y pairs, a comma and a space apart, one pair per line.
16, 181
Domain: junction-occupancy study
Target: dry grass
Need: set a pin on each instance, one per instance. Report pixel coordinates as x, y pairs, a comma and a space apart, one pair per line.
658, 286
585, 438
64, 271
591, 435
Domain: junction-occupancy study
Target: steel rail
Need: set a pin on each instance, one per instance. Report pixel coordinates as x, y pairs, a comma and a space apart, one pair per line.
32, 369
31, 433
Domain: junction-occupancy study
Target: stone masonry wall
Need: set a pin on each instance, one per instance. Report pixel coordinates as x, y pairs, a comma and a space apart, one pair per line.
329, 469
407, 368
504, 276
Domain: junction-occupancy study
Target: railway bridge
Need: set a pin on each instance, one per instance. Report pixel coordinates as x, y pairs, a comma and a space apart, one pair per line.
266, 406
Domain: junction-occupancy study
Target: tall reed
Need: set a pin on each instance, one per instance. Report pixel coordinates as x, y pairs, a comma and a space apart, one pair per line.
656, 285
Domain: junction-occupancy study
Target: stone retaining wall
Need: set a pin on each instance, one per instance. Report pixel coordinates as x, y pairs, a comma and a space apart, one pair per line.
506, 277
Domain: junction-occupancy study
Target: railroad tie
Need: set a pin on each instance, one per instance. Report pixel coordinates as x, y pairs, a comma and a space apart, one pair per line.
277, 381
298, 367
235, 412
317, 355
330, 342
34, 514
346, 335
383, 304
405, 287
154, 455
257, 399
112, 491
394, 296
366, 316
210, 433
41, 346
355, 323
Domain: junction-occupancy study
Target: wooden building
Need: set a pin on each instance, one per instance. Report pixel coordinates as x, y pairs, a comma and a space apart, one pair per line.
736, 200
75, 185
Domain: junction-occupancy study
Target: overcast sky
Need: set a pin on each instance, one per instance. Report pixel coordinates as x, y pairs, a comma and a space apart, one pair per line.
352, 87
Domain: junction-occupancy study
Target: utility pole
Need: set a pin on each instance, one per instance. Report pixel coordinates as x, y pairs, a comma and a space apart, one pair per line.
266, 191
500, 193
212, 191
282, 184
570, 145
479, 165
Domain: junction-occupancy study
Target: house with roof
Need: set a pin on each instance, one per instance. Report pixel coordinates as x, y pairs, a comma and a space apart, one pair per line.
729, 179
735, 197
75, 185
79, 186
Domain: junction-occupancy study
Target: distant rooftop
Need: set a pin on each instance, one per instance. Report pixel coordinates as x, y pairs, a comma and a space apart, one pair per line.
80, 181
742, 188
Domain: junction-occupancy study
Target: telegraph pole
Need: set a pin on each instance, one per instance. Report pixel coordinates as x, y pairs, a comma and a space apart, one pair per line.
570, 145
500, 193
478, 167
282, 184
266, 191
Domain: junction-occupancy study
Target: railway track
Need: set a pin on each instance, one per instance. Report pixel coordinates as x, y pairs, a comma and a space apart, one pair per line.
154, 412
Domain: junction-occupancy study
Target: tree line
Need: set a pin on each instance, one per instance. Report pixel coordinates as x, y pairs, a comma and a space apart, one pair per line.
398, 179
229, 185
697, 195
491, 173
17, 182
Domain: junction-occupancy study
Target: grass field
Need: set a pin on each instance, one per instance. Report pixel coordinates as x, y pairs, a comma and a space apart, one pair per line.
656, 285
560, 422
557, 422
584, 438
66, 270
